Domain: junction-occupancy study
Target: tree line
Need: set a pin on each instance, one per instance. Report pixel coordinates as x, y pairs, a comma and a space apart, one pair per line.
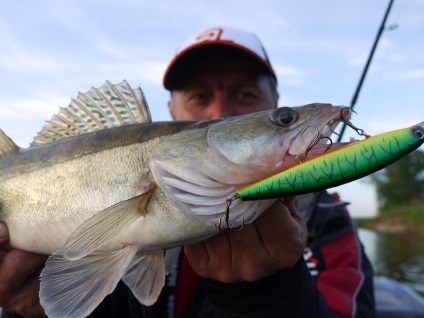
401, 183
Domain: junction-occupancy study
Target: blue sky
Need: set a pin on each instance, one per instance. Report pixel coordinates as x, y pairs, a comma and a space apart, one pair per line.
51, 50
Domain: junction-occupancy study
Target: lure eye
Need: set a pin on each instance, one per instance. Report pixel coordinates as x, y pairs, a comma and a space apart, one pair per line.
284, 116
419, 133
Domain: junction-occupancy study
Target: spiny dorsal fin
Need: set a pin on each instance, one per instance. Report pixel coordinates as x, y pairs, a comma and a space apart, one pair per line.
99, 108
7, 146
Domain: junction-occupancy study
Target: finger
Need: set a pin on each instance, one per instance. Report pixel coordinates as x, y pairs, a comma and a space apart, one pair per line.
25, 300
210, 257
250, 259
273, 242
292, 203
198, 257
248, 240
283, 233
237, 256
18, 267
258, 248
4, 235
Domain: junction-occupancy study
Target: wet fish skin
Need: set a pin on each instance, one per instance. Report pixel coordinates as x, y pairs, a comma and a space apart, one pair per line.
62, 186
108, 201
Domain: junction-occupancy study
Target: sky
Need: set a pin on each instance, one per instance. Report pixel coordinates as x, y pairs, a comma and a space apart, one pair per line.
52, 49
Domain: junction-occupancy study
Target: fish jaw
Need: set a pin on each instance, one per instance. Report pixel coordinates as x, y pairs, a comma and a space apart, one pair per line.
321, 127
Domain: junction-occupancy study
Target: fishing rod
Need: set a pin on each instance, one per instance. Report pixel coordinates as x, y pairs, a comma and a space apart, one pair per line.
364, 72
316, 195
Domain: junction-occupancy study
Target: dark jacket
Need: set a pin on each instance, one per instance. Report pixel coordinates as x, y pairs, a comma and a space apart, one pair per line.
336, 259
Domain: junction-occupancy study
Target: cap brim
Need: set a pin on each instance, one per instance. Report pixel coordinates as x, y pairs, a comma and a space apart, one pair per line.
186, 57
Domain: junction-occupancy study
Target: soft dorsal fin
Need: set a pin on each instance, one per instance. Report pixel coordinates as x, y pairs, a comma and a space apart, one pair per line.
7, 146
99, 108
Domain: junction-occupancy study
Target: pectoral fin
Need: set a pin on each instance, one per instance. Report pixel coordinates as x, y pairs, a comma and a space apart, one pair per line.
105, 225
146, 277
202, 198
194, 193
75, 288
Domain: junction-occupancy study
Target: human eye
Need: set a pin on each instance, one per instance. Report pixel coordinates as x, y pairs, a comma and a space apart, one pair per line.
247, 95
197, 100
200, 97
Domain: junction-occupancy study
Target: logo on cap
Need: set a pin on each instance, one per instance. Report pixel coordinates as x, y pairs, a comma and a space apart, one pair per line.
209, 35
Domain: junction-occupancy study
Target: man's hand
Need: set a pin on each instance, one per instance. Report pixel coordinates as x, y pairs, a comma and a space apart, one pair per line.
275, 241
19, 279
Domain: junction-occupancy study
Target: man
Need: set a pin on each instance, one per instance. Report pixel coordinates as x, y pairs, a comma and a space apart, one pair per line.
258, 271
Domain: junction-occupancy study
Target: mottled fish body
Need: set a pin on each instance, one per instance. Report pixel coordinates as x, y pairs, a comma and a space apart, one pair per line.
105, 191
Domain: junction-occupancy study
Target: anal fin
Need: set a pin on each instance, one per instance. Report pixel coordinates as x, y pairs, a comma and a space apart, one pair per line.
76, 288
146, 277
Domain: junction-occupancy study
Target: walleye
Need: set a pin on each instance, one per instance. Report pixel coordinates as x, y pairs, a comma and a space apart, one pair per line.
111, 195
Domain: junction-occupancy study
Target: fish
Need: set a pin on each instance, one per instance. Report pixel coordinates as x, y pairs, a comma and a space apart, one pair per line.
345, 164
111, 195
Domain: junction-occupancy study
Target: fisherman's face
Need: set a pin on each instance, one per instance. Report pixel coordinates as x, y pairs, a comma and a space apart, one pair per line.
222, 86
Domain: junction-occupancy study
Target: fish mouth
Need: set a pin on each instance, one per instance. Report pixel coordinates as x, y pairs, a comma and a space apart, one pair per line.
315, 138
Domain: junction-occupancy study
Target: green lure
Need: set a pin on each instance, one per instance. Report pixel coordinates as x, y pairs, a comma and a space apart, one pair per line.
337, 167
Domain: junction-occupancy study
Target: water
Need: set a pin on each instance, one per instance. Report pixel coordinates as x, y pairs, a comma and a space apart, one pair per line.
395, 256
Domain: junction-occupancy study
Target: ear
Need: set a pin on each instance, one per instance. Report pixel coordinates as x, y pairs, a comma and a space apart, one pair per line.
171, 108
277, 97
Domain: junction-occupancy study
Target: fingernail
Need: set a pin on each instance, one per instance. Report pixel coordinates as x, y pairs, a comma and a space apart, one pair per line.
3, 231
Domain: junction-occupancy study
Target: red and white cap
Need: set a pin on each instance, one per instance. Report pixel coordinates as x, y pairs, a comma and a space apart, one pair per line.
214, 40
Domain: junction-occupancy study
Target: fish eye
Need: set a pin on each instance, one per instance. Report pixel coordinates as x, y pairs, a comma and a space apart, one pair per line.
284, 116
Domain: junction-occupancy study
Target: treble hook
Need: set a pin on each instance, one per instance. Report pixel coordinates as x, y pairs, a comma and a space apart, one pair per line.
331, 128
329, 145
302, 158
359, 131
227, 217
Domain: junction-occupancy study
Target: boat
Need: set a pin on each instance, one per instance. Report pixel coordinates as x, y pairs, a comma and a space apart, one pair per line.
396, 300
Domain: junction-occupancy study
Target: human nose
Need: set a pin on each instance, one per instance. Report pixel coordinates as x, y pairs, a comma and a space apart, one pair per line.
220, 107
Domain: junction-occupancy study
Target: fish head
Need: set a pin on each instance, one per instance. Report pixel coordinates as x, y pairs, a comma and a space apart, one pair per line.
200, 168
247, 148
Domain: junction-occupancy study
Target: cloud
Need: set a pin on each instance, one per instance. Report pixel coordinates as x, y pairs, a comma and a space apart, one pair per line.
289, 75
41, 107
374, 126
19, 59
22, 118
406, 75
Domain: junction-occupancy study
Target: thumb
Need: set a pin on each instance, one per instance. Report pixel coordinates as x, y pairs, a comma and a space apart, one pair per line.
4, 233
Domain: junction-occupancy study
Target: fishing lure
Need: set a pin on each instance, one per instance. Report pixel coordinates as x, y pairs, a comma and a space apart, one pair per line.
340, 166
